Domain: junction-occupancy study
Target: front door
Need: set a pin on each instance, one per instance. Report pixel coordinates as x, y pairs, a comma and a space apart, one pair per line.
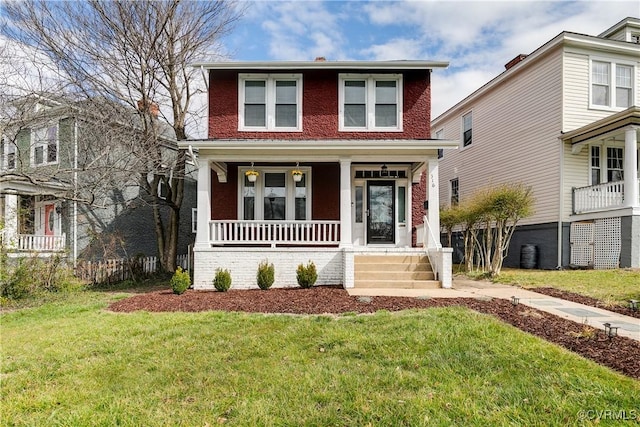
381, 212
49, 219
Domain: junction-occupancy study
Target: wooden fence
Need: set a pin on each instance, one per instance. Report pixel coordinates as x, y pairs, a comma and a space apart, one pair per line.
117, 270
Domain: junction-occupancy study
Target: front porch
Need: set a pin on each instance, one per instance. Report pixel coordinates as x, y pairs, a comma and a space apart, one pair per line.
354, 197
602, 197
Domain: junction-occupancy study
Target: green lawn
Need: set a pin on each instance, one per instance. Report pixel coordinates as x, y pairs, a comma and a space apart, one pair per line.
74, 363
610, 286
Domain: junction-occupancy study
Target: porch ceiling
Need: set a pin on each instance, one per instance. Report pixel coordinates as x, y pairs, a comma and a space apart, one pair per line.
318, 150
611, 127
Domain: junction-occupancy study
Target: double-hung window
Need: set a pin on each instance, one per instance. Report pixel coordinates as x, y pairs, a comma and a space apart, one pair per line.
275, 196
370, 102
8, 153
44, 146
454, 192
611, 85
467, 129
270, 102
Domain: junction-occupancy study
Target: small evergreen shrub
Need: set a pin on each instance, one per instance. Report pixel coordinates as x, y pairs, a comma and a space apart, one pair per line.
306, 276
180, 281
266, 275
222, 281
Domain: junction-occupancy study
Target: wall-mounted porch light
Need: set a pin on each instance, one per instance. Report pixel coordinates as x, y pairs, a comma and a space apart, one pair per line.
384, 171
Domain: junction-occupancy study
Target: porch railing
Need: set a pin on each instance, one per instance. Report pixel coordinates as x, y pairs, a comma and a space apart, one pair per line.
599, 197
33, 242
274, 232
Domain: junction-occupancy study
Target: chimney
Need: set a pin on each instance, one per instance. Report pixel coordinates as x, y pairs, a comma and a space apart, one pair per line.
320, 59
151, 108
514, 61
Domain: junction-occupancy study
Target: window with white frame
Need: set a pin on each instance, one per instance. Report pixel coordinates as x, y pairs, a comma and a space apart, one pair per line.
270, 102
595, 165
611, 84
370, 102
440, 135
467, 129
454, 190
8, 154
275, 195
194, 220
615, 162
44, 146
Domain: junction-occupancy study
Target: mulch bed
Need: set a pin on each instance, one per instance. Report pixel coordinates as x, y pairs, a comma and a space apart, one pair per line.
581, 299
619, 353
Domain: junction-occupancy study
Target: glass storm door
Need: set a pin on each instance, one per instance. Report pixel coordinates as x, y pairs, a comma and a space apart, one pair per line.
381, 212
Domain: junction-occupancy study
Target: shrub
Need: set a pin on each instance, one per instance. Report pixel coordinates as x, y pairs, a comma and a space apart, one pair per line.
180, 281
306, 276
32, 276
222, 281
266, 275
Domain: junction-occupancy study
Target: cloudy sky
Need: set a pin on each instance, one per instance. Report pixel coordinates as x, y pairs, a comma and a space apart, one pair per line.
476, 37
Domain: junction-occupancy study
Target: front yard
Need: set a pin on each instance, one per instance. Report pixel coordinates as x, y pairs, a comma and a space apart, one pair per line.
72, 362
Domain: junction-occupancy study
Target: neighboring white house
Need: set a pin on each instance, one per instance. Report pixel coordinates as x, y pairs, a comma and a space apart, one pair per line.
564, 120
323, 161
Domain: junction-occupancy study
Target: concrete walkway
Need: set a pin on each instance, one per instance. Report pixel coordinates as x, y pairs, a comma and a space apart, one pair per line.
463, 288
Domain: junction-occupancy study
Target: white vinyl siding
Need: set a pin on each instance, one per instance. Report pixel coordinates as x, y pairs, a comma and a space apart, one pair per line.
578, 110
515, 135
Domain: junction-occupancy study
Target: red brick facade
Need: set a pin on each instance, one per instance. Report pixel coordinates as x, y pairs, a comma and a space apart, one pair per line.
319, 108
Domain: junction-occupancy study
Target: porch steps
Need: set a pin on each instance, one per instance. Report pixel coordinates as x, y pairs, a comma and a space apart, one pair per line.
394, 271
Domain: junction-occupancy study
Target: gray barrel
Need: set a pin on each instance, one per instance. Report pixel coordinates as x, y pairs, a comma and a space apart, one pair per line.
528, 256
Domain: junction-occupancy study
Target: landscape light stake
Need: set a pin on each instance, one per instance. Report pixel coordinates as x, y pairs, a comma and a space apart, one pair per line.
610, 331
633, 304
515, 300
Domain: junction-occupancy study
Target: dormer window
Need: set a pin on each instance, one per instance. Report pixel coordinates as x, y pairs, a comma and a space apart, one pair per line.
370, 102
270, 102
44, 146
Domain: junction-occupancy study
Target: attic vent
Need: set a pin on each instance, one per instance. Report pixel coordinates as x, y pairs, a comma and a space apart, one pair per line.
514, 61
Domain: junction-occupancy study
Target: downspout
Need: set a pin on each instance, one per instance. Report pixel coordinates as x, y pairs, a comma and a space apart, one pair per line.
560, 214
75, 193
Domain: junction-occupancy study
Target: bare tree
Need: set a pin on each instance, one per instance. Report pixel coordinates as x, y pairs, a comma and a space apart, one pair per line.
137, 54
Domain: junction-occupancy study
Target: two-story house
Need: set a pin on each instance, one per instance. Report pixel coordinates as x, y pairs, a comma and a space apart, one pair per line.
565, 121
323, 161
69, 183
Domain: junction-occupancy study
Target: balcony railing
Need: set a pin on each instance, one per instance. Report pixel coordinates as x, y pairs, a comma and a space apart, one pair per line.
274, 233
40, 243
598, 197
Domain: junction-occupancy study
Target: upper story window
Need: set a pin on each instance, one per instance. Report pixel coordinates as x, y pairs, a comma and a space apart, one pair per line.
370, 102
7, 154
611, 85
467, 129
44, 146
270, 102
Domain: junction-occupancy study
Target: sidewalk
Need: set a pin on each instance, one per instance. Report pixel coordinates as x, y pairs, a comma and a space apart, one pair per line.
464, 288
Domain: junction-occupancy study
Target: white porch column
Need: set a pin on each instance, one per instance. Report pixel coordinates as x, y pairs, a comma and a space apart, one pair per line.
345, 204
203, 204
433, 195
631, 167
10, 220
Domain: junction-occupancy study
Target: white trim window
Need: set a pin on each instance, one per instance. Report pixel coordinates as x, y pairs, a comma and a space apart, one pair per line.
275, 195
454, 192
370, 102
440, 135
44, 146
467, 129
8, 150
606, 75
270, 102
194, 220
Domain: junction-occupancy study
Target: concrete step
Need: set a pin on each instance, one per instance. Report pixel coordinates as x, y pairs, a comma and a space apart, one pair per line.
389, 259
393, 275
398, 284
421, 266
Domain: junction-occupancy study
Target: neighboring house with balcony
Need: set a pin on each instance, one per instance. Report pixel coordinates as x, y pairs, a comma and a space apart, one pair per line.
68, 187
322, 161
565, 121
